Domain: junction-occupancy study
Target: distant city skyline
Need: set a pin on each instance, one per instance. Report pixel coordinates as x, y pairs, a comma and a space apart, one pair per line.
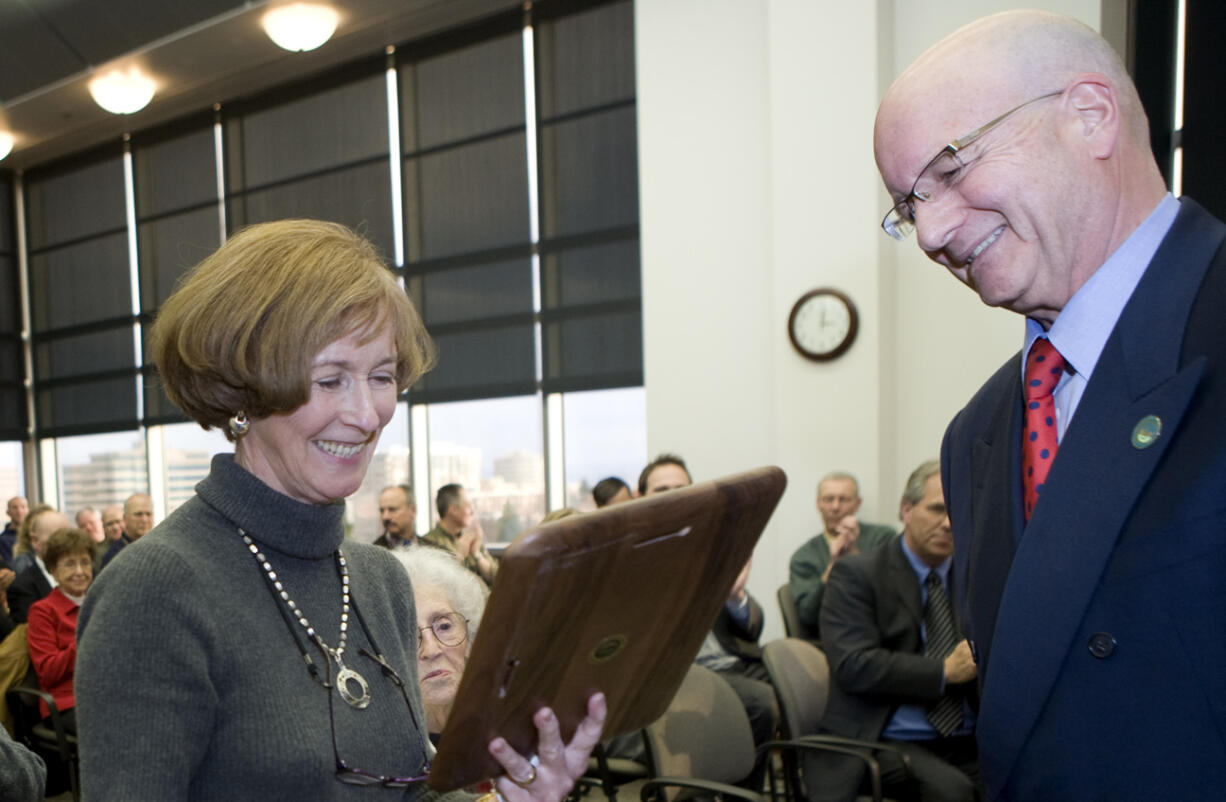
494, 447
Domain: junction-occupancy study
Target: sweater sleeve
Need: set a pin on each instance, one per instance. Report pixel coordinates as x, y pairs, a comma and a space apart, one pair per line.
23, 775
143, 680
805, 577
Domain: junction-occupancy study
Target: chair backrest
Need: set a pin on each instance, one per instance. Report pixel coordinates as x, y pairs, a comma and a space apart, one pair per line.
801, 677
705, 732
792, 625
24, 709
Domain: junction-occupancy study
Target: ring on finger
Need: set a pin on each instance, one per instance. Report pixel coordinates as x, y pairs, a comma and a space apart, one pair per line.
524, 783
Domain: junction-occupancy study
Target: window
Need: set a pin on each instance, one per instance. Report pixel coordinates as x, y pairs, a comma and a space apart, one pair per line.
494, 449
187, 452
499, 178
388, 466
100, 469
605, 432
12, 471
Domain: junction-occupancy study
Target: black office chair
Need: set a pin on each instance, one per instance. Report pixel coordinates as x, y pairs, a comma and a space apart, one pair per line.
702, 744
49, 740
801, 676
792, 625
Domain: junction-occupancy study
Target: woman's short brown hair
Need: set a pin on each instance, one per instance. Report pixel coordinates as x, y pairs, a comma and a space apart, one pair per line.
243, 327
66, 541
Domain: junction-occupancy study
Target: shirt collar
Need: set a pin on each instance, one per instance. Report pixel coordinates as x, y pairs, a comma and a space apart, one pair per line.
42, 566
921, 568
1081, 329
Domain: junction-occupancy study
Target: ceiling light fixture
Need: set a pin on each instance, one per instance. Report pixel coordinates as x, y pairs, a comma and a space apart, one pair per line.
122, 91
300, 26
6, 144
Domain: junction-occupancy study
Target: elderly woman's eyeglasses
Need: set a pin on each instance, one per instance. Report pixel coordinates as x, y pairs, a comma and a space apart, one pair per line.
450, 629
940, 175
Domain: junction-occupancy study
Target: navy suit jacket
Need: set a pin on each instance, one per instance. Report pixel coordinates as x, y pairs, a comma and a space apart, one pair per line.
1100, 626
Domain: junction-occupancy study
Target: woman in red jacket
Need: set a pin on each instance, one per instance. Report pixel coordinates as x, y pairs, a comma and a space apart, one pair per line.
52, 631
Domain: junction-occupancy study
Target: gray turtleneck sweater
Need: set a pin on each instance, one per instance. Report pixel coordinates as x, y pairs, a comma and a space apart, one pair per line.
189, 683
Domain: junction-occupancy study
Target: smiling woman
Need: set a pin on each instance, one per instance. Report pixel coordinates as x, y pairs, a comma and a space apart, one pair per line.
52, 632
243, 643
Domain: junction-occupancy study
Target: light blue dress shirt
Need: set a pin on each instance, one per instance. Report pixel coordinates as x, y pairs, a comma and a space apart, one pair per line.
910, 722
1083, 326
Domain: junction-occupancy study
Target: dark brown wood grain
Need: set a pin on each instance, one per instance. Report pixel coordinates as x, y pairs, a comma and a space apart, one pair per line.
617, 600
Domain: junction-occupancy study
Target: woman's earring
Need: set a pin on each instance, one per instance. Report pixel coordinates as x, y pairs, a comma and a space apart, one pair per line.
239, 424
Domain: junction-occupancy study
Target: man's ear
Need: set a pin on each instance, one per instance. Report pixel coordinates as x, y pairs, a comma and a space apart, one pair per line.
1093, 101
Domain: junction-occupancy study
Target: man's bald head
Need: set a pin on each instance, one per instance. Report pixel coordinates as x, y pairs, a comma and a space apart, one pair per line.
137, 515
1047, 194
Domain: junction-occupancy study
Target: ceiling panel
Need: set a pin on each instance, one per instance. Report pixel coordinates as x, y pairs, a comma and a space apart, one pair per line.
100, 30
201, 52
31, 54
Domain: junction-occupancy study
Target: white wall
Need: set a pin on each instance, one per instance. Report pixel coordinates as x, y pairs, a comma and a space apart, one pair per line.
757, 183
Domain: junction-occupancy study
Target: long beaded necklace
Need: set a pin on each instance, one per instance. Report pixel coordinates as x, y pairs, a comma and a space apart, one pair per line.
345, 675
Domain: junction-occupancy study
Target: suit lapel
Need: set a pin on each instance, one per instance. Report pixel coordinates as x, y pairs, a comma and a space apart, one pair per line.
905, 583
1065, 548
995, 468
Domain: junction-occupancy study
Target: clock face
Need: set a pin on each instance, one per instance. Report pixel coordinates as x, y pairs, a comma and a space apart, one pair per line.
823, 324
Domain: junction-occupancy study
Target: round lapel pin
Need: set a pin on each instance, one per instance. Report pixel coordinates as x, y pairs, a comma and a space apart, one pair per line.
1146, 432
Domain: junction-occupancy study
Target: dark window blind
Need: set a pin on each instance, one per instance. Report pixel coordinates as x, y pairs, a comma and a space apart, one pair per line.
323, 156
177, 224
80, 297
13, 420
590, 270
468, 244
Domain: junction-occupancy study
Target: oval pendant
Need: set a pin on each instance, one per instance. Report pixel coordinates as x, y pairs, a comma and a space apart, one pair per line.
346, 676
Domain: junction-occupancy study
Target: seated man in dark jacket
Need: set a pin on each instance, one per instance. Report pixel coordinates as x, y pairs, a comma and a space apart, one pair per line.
900, 669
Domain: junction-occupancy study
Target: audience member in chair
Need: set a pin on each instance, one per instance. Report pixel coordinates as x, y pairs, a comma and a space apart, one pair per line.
838, 500
89, 520
731, 648
52, 631
137, 521
900, 669
23, 549
459, 530
449, 600
18, 507
36, 581
397, 511
611, 490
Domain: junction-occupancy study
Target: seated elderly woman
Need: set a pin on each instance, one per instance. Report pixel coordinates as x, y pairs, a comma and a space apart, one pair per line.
450, 600
52, 631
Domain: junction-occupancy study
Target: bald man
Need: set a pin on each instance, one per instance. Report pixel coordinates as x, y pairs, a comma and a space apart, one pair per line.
1088, 518
137, 520
17, 509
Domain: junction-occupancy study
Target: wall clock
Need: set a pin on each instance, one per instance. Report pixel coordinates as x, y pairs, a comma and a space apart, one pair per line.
823, 324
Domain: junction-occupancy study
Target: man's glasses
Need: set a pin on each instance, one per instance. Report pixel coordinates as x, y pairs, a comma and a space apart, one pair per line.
451, 629
940, 175
351, 776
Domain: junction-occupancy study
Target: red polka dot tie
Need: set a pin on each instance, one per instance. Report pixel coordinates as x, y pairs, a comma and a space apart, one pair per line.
1044, 367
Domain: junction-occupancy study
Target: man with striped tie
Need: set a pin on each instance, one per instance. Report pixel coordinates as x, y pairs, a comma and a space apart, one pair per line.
900, 669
